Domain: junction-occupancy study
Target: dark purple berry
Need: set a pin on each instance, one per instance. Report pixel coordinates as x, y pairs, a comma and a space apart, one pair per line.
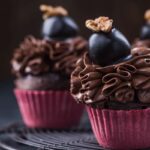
59, 27
108, 48
145, 32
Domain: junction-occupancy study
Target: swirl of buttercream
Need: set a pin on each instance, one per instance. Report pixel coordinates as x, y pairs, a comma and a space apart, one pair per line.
122, 83
124, 93
141, 43
36, 56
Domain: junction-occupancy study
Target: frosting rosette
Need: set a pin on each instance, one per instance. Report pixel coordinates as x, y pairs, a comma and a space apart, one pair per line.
141, 43
121, 84
36, 56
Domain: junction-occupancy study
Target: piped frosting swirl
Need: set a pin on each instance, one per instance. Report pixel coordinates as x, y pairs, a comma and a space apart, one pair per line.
123, 83
36, 56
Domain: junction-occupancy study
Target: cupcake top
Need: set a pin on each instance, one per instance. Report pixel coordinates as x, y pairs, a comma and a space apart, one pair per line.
144, 39
46, 63
110, 75
56, 52
36, 57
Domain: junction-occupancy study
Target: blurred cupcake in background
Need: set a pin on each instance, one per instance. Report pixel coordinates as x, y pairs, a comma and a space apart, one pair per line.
42, 68
114, 83
144, 39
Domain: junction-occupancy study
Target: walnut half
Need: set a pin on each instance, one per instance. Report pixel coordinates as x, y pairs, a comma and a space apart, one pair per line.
147, 15
100, 24
53, 11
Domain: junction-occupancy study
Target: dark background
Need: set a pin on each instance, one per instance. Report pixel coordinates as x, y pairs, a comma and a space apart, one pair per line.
22, 17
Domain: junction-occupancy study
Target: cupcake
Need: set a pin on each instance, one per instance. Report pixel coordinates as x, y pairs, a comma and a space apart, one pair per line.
42, 68
114, 83
144, 39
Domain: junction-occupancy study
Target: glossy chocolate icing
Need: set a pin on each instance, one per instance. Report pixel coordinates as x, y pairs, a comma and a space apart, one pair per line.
141, 43
124, 85
46, 63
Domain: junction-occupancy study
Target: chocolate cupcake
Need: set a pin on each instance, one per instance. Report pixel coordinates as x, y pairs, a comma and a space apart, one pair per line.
144, 39
42, 68
113, 81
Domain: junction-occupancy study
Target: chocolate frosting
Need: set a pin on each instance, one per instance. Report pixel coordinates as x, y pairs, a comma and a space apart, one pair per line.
36, 56
44, 64
141, 43
120, 84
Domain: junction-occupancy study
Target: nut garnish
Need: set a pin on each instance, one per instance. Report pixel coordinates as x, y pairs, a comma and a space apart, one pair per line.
100, 24
53, 11
147, 15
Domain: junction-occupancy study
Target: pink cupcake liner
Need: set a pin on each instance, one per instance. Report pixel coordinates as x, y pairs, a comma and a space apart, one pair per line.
121, 129
48, 109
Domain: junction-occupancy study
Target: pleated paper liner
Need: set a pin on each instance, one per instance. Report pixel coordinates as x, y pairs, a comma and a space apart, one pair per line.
48, 109
121, 129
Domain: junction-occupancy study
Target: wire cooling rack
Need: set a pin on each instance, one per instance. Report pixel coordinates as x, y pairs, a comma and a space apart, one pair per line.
18, 137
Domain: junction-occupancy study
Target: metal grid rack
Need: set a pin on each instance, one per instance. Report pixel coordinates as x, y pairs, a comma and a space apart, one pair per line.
18, 137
